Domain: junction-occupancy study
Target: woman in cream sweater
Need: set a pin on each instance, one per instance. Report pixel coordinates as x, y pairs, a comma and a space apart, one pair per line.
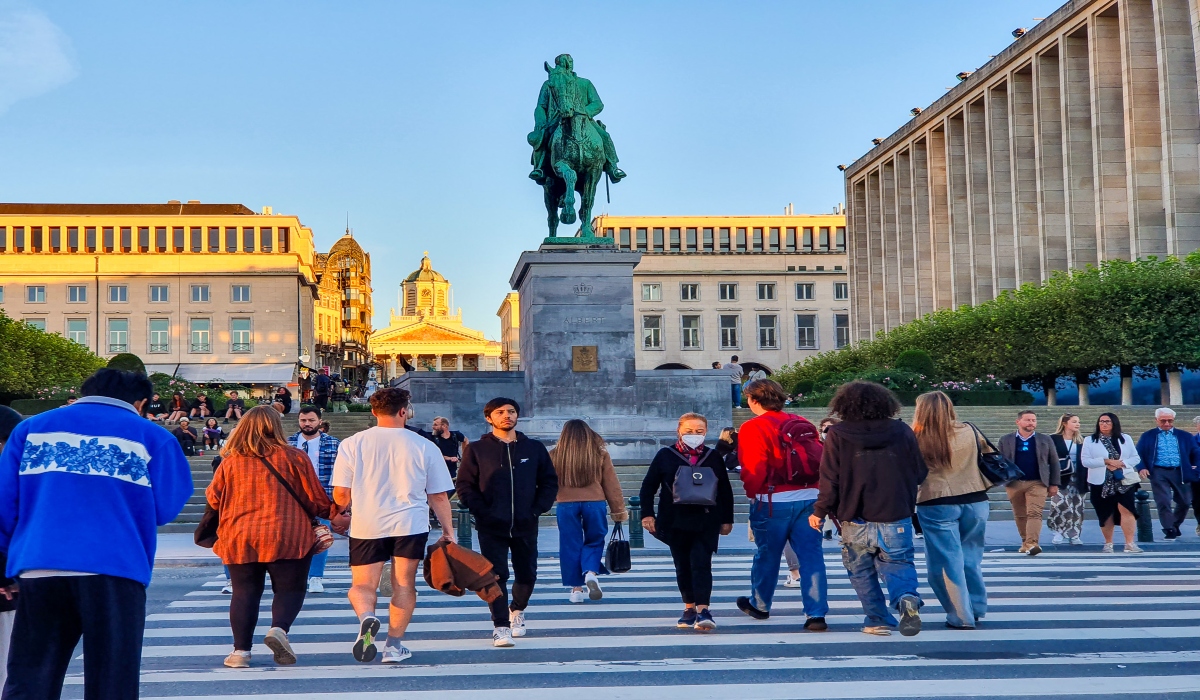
952, 504
586, 481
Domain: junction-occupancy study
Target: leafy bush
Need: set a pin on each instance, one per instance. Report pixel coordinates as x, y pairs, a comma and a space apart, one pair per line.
32, 407
34, 359
128, 362
917, 361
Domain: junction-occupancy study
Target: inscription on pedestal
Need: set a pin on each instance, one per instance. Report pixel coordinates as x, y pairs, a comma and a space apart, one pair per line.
584, 358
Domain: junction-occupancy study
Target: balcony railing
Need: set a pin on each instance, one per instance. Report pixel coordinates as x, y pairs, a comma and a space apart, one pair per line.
118, 347
241, 347
160, 347
201, 347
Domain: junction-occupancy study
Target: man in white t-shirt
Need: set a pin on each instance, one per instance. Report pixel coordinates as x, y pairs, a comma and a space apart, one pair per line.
389, 477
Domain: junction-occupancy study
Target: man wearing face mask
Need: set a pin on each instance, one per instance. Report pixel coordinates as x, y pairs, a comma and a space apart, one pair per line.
507, 481
322, 450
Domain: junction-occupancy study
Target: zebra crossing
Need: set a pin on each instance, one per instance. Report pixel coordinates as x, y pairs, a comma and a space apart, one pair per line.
1065, 623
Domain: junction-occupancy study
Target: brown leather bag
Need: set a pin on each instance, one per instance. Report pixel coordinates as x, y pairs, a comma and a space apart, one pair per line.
454, 570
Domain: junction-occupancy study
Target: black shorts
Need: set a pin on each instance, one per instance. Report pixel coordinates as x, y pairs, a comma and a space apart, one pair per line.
363, 552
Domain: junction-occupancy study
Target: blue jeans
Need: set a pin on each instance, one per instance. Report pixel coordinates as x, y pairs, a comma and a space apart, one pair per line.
954, 558
317, 567
773, 526
581, 530
737, 394
872, 549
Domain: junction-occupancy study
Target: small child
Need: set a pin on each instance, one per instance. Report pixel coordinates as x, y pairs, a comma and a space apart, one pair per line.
213, 435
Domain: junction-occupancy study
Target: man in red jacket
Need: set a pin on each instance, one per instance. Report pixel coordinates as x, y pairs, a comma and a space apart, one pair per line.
781, 502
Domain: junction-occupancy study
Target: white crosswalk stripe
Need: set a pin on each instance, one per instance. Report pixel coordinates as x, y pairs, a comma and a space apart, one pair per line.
1070, 624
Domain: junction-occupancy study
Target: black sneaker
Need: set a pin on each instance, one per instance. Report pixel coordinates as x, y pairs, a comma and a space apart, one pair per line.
815, 624
744, 605
704, 621
910, 616
1170, 535
688, 619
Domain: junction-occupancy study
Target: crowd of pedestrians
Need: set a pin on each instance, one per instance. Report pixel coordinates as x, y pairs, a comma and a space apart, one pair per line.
276, 500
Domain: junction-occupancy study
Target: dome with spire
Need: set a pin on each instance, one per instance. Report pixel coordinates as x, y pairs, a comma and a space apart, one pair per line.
425, 273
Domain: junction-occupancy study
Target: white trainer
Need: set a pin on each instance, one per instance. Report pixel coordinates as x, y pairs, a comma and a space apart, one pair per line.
502, 637
1076, 540
227, 589
395, 655
593, 586
516, 618
577, 597
316, 585
1058, 538
238, 659
790, 582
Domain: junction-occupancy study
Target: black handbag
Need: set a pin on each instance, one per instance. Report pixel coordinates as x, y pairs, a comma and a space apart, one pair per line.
616, 555
695, 485
206, 529
995, 467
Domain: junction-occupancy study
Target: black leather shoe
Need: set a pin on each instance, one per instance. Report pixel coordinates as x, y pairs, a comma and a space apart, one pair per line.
744, 605
815, 624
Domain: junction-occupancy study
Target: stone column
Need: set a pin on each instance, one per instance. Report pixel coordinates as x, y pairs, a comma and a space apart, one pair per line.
939, 219
1177, 60
1079, 153
1108, 146
888, 247
1051, 162
960, 211
875, 254
437, 362
479, 363
1147, 215
1024, 155
922, 233
859, 249
979, 197
391, 367
458, 362
906, 285
1000, 158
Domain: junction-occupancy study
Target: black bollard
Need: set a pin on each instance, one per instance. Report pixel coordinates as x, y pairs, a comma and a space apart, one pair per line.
463, 517
635, 523
1145, 526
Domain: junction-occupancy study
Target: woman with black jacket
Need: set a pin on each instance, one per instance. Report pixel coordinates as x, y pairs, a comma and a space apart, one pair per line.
1066, 507
691, 531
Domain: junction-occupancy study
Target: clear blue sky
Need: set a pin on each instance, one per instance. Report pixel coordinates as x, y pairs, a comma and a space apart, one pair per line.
412, 117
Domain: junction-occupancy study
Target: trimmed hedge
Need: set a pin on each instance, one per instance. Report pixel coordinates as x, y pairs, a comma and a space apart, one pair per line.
32, 407
960, 398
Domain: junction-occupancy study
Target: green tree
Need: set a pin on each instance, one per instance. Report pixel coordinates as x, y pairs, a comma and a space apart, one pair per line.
34, 359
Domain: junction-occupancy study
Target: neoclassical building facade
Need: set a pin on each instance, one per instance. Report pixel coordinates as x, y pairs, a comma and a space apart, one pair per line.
427, 335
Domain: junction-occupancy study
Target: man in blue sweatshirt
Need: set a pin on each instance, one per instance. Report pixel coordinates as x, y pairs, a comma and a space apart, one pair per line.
83, 489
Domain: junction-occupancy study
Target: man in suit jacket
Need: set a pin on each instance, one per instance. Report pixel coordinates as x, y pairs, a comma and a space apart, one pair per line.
1035, 454
1169, 461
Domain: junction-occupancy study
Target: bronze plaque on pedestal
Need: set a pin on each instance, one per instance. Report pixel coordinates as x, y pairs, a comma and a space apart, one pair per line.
584, 358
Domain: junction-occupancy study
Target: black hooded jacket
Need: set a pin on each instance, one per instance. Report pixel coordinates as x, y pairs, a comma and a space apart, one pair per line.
507, 485
870, 470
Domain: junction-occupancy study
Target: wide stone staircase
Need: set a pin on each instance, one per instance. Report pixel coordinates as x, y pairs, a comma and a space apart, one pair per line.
993, 421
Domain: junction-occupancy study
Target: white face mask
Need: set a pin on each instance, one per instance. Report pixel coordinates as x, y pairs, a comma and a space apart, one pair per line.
692, 440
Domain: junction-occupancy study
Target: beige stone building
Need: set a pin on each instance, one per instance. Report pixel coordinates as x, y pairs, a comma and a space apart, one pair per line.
1078, 143
427, 335
342, 323
203, 291
770, 289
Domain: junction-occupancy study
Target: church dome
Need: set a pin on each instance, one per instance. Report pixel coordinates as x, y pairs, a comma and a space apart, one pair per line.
425, 273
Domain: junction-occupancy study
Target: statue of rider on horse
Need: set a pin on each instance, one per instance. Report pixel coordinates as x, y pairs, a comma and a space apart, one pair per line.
571, 148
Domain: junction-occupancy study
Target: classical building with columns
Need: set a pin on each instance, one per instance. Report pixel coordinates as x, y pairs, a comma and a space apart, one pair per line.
1076, 144
427, 335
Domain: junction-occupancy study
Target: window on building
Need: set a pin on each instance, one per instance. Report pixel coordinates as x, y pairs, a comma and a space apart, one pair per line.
675, 243
38, 323
689, 291
1, 294
840, 239
652, 332
35, 239
641, 239
231, 239
806, 331
160, 239
160, 293
651, 291
77, 330
805, 291
766, 291
768, 336
55, 239
690, 239
841, 328
72, 239
143, 239
284, 240
723, 239
727, 291
3, 238
126, 239
730, 333
109, 238
239, 332
200, 333
200, 293
177, 242
160, 335
690, 326
740, 241
789, 239
247, 240
807, 240
118, 293
197, 239
658, 239
623, 238
708, 239
35, 294
89, 239
118, 335
241, 292
214, 239
841, 291
823, 240
77, 294
266, 242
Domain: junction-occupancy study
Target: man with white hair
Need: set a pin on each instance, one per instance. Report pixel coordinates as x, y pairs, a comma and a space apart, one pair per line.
1170, 461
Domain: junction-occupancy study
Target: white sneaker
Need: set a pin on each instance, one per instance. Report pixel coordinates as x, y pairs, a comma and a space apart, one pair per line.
394, 655
1107, 548
516, 618
227, 589
316, 585
1133, 549
1076, 540
593, 586
1058, 538
238, 659
790, 582
502, 637
577, 597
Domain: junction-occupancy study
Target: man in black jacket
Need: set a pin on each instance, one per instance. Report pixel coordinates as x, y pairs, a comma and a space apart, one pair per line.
507, 481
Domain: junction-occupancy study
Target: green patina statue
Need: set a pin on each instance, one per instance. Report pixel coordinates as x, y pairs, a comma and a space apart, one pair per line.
571, 148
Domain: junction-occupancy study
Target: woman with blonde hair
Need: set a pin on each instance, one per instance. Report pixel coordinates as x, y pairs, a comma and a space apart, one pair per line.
953, 506
586, 481
1066, 506
266, 494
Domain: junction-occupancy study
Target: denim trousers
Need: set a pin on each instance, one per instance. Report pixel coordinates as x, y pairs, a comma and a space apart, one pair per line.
581, 529
870, 550
736, 391
773, 526
954, 558
317, 568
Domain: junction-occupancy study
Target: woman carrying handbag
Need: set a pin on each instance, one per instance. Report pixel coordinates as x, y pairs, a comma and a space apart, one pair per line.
266, 495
